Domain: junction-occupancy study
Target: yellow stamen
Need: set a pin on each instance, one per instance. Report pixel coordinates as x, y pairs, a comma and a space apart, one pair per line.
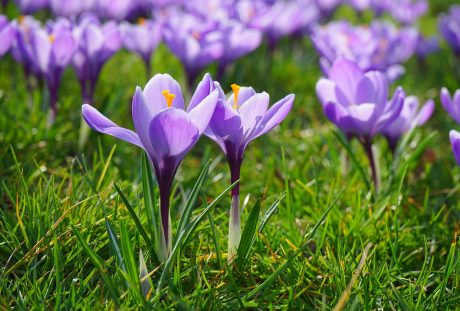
52, 38
196, 35
169, 97
236, 90
21, 19
141, 21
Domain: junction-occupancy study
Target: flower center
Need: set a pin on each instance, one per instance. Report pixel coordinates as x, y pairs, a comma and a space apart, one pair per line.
236, 90
169, 97
141, 21
196, 35
21, 19
52, 38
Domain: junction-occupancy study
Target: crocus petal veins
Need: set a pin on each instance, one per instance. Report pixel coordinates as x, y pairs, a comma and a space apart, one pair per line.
169, 97
235, 89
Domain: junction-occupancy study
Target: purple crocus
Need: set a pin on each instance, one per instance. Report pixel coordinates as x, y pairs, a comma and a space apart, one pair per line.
194, 41
164, 129
7, 35
142, 38
96, 44
408, 11
455, 142
451, 104
409, 118
71, 8
426, 46
31, 6
237, 121
357, 103
379, 46
449, 27
52, 51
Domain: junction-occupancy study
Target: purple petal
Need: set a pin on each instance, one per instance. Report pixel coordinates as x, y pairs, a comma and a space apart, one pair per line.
325, 90
63, 49
100, 123
455, 141
426, 112
276, 114
346, 75
41, 47
173, 133
154, 96
202, 113
338, 115
252, 113
142, 116
204, 88
226, 124
373, 88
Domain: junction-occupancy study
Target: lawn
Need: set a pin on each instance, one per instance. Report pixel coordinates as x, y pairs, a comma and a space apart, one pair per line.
76, 224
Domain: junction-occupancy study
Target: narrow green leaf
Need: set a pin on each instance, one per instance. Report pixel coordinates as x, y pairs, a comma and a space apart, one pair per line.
99, 264
115, 244
146, 281
187, 211
106, 166
148, 186
249, 235
270, 211
137, 222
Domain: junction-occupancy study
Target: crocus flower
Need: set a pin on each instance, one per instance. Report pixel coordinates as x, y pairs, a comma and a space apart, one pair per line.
52, 52
409, 118
7, 35
451, 104
237, 121
164, 129
21, 48
31, 6
409, 11
96, 44
71, 8
142, 39
449, 27
357, 103
194, 41
455, 142
426, 46
380, 46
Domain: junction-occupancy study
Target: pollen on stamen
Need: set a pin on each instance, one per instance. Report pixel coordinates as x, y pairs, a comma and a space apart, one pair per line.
52, 38
168, 97
21, 19
235, 88
141, 21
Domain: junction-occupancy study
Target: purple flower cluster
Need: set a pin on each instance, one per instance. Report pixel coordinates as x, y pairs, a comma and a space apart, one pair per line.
167, 130
379, 46
449, 27
358, 103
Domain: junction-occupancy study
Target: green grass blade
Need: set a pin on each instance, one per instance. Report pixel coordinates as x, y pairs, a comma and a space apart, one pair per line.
270, 212
188, 209
249, 235
99, 264
281, 268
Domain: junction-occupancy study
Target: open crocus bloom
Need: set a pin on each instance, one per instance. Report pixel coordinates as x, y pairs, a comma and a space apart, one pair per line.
451, 104
164, 129
449, 27
357, 102
237, 121
7, 34
409, 118
455, 142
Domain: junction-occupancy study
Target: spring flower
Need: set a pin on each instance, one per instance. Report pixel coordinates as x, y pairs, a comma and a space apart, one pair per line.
451, 104
7, 35
52, 51
409, 118
237, 121
194, 41
71, 8
455, 142
164, 129
142, 38
449, 27
408, 11
357, 103
31, 6
426, 46
380, 46
97, 43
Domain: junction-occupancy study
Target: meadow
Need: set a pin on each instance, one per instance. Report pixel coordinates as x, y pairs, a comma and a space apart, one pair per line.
76, 225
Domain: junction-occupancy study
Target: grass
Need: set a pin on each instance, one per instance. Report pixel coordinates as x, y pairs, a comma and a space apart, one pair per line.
73, 223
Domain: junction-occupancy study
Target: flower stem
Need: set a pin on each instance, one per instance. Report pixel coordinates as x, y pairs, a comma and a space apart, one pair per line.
234, 228
165, 244
367, 144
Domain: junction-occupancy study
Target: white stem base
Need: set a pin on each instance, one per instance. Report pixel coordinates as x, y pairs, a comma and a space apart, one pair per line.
234, 228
